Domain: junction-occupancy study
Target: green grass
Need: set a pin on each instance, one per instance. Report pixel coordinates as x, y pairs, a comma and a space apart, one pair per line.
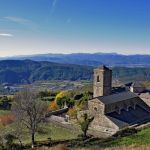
4, 112
140, 138
56, 133
46, 131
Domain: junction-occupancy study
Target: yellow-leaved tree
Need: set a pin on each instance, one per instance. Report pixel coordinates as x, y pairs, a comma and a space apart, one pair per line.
61, 98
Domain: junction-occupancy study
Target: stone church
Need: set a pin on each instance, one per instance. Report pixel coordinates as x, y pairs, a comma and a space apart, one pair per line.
114, 111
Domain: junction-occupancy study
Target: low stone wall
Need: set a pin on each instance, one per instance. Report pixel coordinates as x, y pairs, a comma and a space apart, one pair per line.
57, 112
99, 134
61, 122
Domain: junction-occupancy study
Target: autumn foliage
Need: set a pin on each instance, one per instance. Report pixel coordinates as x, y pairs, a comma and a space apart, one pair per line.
63, 98
53, 106
72, 112
6, 119
61, 95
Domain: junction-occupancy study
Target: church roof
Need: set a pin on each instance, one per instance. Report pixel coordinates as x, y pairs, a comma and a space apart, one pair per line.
116, 97
103, 67
137, 84
130, 117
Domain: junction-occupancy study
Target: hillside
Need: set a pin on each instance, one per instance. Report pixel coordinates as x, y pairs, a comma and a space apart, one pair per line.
95, 59
27, 71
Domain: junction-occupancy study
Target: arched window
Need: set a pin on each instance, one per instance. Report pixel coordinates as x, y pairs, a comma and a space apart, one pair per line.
98, 79
95, 108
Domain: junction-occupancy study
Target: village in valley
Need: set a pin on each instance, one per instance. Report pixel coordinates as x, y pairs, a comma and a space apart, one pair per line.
67, 117
74, 74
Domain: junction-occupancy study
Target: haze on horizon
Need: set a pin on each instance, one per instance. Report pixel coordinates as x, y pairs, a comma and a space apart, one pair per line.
72, 26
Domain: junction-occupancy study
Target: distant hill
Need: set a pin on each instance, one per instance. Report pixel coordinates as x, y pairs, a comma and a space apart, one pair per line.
95, 59
28, 71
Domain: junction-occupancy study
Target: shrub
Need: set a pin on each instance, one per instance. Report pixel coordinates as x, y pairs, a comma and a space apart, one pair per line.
53, 106
61, 95
72, 112
61, 98
126, 132
6, 119
9, 141
42, 130
49, 98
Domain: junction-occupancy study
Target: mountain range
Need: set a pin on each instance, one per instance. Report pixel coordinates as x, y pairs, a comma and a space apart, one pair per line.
28, 71
89, 59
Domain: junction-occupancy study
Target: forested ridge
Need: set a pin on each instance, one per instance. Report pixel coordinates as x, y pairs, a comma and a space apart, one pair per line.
28, 71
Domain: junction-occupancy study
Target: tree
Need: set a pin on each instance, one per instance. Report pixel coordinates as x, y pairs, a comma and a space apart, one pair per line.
19, 131
61, 98
72, 112
85, 124
9, 141
53, 106
29, 110
61, 94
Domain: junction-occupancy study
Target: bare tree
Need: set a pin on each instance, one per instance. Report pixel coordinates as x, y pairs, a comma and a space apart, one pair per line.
29, 110
85, 124
19, 131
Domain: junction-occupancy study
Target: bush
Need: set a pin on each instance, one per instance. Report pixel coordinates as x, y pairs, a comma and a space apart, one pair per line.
49, 98
42, 130
72, 112
126, 132
10, 141
53, 106
6, 119
78, 96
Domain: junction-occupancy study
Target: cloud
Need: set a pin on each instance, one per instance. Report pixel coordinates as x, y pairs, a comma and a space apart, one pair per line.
22, 21
17, 20
54, 3
6, 35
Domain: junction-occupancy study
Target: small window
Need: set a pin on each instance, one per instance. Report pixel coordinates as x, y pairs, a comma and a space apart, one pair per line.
98, 79
95, 108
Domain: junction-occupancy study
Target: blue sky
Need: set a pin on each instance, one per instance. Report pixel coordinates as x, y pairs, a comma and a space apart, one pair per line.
71, 26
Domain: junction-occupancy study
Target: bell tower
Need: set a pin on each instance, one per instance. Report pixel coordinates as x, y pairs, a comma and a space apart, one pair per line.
102, 81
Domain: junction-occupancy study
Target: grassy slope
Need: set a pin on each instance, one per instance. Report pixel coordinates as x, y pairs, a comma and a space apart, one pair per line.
139, 141
141, 138
48, 131
56, 133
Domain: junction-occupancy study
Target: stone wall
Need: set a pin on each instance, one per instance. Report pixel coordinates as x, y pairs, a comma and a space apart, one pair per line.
102, 82
107, 82
118, 106
102, 124
60, 122
121, 105
96, 107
